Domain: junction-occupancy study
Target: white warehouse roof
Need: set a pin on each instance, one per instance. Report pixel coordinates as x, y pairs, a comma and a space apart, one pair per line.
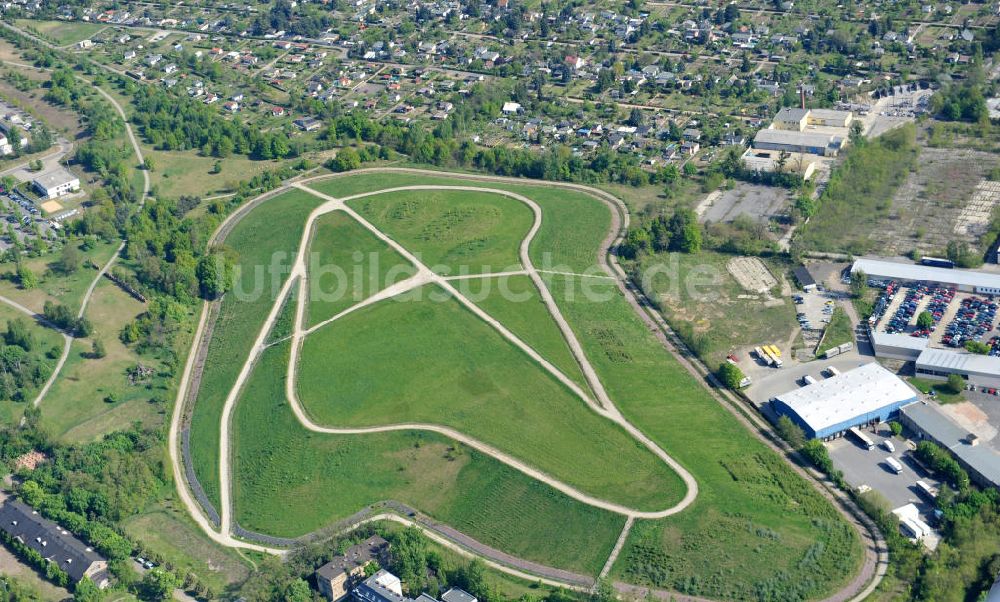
965, 363
915, 272
793, 138
900, 341
863, 390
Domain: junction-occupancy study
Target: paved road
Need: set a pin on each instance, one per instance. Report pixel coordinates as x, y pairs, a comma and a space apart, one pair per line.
49, 161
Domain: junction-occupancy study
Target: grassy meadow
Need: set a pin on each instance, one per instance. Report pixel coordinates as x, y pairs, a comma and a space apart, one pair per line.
452, 232
93, 396
517, 304
347, 264
750, 504
433, 361
279, 478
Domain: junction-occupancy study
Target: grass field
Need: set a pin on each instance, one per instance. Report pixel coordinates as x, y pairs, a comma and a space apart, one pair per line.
279, 478
452, 232
169, 531
347, 264
838, 331
67, 290
404, 361
750, 504
701, 300
516, 303
556, 246
63, 32
268, 235
76, 408
45, 339
179, 173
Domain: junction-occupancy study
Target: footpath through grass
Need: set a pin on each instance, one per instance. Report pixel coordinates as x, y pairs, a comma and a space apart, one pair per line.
757, 530
279, 479
432, 361
573, 223
48, 345
517, 304
452, 232
94, 396
347, 264
266, 241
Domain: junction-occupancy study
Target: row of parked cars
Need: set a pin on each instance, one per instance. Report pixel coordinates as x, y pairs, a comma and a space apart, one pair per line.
974, 320
904, 314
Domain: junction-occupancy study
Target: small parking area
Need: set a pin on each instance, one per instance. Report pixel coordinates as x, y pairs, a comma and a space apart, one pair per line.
863, 467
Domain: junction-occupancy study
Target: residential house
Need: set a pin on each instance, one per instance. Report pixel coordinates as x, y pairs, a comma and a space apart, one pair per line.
337, 577
56, 545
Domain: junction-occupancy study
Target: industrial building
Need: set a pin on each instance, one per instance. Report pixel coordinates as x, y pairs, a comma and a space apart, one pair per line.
969, 281
979, 370
798, 119
980, 460
929, 362
791, 141
864, 395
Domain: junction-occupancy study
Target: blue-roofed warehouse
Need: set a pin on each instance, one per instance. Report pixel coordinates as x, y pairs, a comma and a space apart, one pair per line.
864, 395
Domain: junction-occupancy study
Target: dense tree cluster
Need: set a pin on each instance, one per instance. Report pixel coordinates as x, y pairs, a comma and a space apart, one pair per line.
681, 232
61, 316
22, 365
961, 102
169, 121
167, 252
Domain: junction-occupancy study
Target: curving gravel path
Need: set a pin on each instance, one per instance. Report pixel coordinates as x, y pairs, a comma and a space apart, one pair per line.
875, 560
425, 276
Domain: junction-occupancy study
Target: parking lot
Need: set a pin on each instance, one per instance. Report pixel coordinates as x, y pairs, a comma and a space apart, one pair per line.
863, 467
22, 216
958, 317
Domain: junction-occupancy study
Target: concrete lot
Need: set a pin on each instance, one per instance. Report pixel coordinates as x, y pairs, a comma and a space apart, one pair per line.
760, 203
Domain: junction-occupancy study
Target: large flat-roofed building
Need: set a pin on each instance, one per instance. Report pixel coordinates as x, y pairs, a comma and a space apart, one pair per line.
897, 346
792, 119
55, 544
56, 183
791, 141
979, 370
969, 281
864, 395
830, 118
797, 120
929, 422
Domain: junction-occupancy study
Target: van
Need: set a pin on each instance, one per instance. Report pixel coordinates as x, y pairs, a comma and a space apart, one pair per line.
889, 447
894, 465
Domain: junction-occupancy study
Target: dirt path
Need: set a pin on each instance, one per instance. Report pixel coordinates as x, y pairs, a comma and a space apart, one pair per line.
54, 158
875, 558
423, 276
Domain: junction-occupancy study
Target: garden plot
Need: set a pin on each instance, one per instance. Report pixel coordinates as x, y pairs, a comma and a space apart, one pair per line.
946, 198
